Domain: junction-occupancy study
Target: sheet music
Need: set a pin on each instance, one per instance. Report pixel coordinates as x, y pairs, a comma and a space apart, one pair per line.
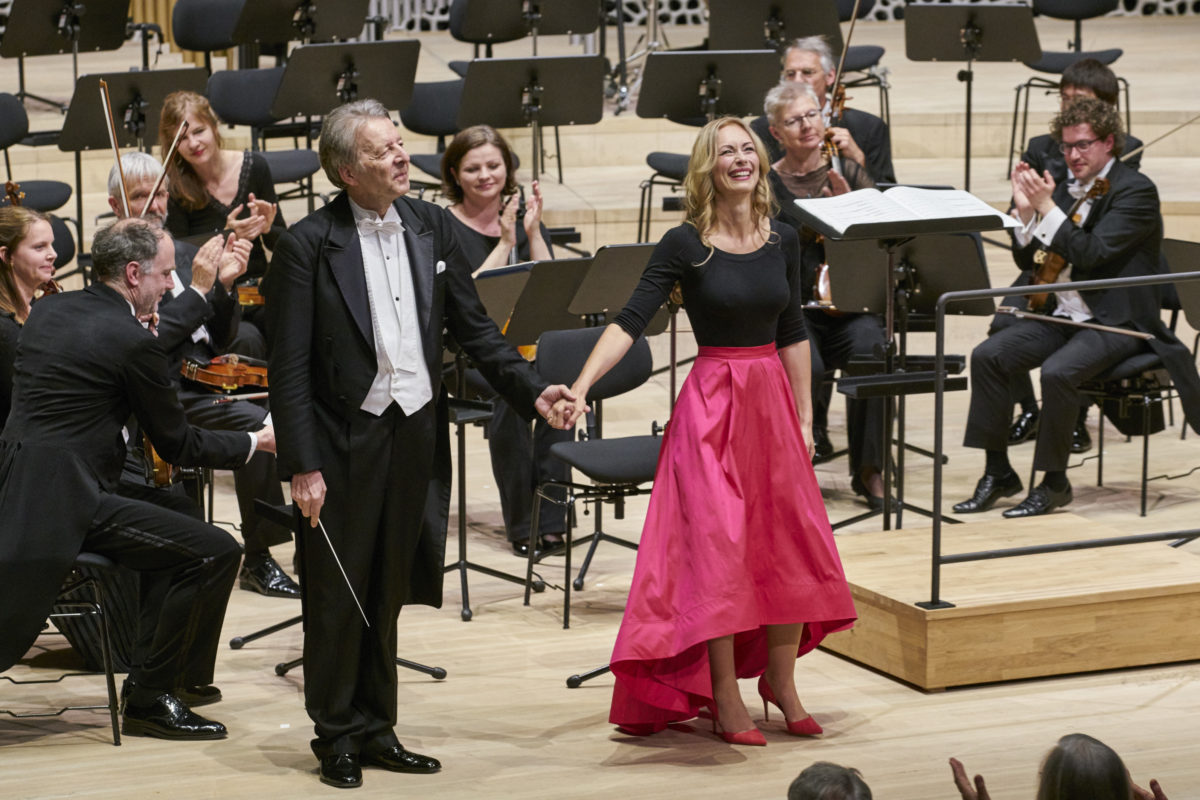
934, 203
854, 208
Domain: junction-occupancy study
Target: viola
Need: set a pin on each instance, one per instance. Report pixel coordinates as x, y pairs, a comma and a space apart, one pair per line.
158, 471
226, 373
1050, 264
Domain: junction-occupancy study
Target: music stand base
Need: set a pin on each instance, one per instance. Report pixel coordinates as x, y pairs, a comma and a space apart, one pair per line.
438, 673
575, 681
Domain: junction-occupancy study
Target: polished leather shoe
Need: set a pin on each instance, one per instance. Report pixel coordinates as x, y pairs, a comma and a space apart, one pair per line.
341, 770
1081, 440
397, 759
822, 447
989, 489
1024, 427
166, 717
268, 578
1041, 500
191, 696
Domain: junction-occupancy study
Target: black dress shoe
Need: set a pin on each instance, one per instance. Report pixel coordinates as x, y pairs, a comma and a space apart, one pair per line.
989, 489
1024, 427
520, 548
822, 447
1081, 440
1041, 500
268, 578
397, 759
341, 770
193, 696
166, 717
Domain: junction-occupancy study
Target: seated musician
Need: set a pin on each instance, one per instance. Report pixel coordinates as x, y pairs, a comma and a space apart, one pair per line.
1085, 78
804, 171
26, 266
198, 318
85, 362
1115, 232
860, 136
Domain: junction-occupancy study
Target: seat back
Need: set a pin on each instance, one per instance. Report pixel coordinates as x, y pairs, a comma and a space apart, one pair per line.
244, 96
14, 122
1185, 257
433, 109
487, 21
846, 9
562, 354
205, 25
1074, 9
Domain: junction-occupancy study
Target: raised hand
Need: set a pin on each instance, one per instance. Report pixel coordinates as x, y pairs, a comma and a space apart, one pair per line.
1155, 792
837, 184
248, 228
234, 258
205, 264
264, 209
968, 790
508, 221
533, 211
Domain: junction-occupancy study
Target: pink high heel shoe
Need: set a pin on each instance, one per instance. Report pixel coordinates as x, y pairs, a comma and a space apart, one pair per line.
801, 727
752, 737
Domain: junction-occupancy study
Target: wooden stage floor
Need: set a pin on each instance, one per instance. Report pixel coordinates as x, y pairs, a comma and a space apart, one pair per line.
503, 722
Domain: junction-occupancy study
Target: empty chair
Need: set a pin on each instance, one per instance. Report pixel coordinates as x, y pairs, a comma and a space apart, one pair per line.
40, 195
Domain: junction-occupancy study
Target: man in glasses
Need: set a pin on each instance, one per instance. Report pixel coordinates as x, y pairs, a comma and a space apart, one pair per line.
1114, 232
1085, 78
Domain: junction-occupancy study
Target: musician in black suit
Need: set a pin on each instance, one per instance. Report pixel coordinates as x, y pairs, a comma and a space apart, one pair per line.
1116, 233
84, 364
860, 136
198, 319
1085, 78
358, 295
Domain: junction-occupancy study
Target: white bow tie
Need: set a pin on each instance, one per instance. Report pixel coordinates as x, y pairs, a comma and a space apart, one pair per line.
369, 226
1077, 190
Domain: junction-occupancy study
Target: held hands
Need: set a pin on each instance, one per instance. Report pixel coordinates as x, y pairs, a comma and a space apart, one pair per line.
308, 493
235, 256
848, 147
560, 407
969, 791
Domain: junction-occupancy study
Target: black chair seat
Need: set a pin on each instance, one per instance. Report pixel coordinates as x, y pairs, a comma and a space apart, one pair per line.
861, 57
1057, 62
43, 196
291, 166
669, 165
628, 460
1131, 367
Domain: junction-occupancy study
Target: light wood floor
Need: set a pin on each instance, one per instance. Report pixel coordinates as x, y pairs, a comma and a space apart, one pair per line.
503, 722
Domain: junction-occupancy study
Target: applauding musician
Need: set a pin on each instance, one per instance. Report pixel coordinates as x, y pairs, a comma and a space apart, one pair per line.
85, 362
1116, 234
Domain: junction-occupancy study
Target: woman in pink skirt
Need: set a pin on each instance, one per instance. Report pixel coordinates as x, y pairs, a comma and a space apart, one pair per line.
737, 573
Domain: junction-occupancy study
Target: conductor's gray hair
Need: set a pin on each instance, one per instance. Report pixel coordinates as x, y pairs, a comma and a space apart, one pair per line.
339, 136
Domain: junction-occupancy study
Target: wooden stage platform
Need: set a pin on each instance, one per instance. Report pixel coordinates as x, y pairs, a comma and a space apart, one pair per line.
1022, 617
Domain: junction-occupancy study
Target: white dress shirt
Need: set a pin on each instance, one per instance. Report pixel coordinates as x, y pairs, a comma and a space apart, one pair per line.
402, 375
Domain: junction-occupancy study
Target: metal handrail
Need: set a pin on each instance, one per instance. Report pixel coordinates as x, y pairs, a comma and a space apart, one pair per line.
937, 559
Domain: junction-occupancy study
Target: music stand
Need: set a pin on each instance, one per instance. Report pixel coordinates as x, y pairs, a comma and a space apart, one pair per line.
320, 77
771, 24
498, 291
281, 21
38, 28
543, 304
538, 91
970, 32
726, 82
137, 99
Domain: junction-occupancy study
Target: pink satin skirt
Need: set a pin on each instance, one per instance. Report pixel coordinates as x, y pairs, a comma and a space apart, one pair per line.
736, 538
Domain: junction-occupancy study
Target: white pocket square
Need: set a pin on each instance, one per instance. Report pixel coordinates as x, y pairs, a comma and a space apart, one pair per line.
441, 267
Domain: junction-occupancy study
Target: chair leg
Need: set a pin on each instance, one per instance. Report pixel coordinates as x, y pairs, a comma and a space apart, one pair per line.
1145, 447
532, 543
106, 651
567, 545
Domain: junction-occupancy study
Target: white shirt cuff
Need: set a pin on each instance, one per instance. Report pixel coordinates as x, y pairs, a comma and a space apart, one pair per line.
1045, 230
253, 446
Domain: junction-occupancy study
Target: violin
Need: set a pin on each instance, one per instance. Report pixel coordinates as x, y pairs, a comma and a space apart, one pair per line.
226, 373
1050, 264
12, 190
158, 471
249, 294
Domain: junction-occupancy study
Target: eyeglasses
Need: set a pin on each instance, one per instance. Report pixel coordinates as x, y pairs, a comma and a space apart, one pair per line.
1083, 145
808, 117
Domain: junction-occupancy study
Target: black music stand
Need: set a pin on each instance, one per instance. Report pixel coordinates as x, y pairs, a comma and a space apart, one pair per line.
320, 77
280, 21
539, 91
771, 24
706, 84
956, 32
289, 517
40, 28
137, 99
896, 380
498, 291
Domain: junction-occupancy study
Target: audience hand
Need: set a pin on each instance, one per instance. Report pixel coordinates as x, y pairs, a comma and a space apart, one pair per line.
978, 791
205, 264
234, 259
308, 493
1155, 792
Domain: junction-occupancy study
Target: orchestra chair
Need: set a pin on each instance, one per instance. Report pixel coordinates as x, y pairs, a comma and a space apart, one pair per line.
1056, 62
669, 171
462, 29
205, 26
617, 468
244, 97
864, 60
40, 195
432, 111
1184, 256
69, 604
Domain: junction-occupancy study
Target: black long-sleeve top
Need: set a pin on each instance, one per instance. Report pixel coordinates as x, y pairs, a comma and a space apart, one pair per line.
732, 299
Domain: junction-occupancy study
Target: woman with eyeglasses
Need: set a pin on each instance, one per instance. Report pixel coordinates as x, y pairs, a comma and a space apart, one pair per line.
804, 171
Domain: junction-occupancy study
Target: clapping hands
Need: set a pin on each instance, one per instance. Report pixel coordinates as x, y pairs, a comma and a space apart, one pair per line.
262, 215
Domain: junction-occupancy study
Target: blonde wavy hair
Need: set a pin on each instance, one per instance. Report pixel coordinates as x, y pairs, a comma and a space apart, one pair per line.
700, 192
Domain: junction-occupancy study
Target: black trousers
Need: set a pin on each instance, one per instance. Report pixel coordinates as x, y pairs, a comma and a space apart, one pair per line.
257, 479
377, 472
188, 568
1068, 356
832, 342
520, 461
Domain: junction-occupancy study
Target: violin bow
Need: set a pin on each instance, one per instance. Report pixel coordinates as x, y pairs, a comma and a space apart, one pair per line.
112, 140
1181, 126
183, 126
835, 112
